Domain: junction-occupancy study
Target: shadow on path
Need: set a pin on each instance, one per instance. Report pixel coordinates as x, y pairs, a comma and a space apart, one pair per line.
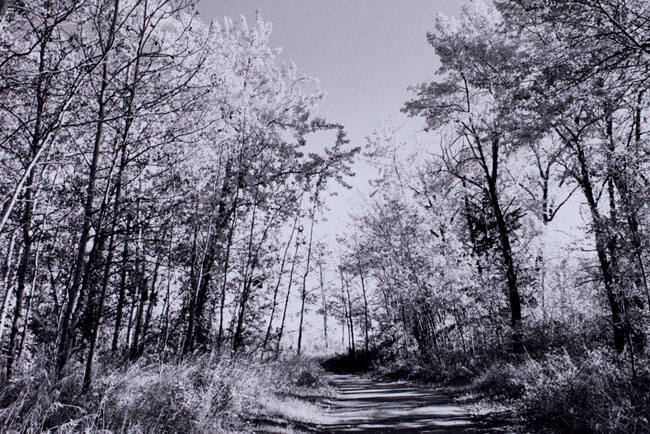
363, 404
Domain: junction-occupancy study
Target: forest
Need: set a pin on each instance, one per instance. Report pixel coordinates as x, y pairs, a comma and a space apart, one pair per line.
162, 179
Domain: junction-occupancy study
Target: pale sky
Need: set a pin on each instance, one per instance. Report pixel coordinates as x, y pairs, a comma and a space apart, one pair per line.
365, 54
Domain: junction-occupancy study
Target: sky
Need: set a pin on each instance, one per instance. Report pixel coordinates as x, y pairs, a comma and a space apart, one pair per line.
365, 53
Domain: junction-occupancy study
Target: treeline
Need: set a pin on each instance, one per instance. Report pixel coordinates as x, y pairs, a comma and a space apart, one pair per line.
537, 123
149, 165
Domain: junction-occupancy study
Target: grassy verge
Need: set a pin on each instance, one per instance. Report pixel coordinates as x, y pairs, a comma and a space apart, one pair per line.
206, 394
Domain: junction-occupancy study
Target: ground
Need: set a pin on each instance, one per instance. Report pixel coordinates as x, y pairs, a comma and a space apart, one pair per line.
362, 403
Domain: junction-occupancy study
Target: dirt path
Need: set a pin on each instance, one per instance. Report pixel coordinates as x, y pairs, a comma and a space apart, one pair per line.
363, 404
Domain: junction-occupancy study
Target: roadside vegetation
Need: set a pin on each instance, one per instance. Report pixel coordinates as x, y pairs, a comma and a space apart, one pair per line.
198, 395
586, 390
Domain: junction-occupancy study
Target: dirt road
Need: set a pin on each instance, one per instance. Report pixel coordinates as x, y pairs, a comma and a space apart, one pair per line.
362, 404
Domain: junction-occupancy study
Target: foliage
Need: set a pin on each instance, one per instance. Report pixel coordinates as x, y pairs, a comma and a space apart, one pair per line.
152, 165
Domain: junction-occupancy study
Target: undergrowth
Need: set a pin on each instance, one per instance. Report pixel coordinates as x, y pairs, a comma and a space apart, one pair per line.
598, 391
205, 394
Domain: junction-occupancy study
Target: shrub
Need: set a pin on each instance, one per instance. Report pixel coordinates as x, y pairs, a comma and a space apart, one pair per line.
499, 379
596, 393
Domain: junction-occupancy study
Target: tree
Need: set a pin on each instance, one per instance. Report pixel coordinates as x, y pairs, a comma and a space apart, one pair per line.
588, 51
473, 75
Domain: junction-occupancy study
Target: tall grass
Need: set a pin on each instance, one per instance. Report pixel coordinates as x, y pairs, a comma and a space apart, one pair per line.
206, 394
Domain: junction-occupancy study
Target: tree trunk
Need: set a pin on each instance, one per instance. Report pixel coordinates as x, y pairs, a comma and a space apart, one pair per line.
618, 177
324, 303
23, 268
30, 298
197, 333
600, 235
121, 298
164, 316
98, 310
226, 265
365, 301
344, 316
248, 288
286, 300
65, 338
511, 274
506, 248
26, 222
251, 264
276, 290
142, 294
7, 280
350, 313
153, 296
303, 296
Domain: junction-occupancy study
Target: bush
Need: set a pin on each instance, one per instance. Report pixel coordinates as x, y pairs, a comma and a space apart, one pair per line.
500, 379
594, 393
544, 337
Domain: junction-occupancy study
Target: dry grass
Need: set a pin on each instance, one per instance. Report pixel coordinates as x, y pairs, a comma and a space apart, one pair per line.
208, 394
